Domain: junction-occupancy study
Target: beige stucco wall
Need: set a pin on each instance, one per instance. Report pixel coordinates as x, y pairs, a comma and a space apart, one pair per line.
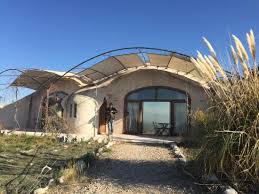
116, 91
86, 117
22, 113
28, 108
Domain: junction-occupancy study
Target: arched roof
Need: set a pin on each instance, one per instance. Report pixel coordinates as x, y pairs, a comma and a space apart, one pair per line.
112, 63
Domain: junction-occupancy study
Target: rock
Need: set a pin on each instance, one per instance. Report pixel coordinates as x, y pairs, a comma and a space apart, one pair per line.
80, 166
109, 144
74, 140
105, 140
99, 140
69, 139
211, 178
100, 150
41, 190
177, 151
27, 152
173, 146
230, 190
62, 139
61, 180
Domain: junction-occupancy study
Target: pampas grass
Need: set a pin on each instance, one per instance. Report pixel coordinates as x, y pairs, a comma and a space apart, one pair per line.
231, 149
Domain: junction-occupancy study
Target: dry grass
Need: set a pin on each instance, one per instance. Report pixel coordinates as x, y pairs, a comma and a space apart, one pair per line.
232, 121
17, 151
69, 174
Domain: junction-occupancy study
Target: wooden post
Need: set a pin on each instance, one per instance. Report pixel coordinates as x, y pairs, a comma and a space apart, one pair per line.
47, 106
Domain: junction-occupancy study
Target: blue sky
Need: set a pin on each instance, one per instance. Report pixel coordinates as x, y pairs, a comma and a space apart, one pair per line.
57, 34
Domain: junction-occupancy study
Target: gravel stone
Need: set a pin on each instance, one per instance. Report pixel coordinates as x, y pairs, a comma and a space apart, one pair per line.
134, 168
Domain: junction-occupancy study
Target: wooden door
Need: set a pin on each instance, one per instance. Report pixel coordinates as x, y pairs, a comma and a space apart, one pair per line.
102, 117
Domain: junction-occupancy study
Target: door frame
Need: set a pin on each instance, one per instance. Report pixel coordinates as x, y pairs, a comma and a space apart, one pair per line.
172, 116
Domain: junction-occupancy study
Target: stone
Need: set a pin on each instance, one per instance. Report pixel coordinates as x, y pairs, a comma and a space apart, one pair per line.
45, 189
109, 144
61, 180
41, 190
230, 190
80, 166
62, 139
177, 151
99, 140
211, 178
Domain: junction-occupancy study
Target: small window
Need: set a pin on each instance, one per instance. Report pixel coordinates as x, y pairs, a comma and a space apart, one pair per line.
70, 110
75, 110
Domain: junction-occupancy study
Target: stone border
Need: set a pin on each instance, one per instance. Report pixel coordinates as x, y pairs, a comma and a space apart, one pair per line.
180, 157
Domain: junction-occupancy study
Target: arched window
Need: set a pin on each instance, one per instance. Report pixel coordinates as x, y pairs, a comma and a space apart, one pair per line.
152, 108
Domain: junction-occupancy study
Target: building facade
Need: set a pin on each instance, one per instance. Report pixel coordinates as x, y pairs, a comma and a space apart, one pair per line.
147, 91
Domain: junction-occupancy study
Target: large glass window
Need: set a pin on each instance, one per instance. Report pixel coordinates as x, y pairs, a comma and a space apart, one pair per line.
180, 116
157, 108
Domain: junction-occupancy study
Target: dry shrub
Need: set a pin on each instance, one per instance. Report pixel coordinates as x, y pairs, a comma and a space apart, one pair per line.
55, 123
69, 174
231, 149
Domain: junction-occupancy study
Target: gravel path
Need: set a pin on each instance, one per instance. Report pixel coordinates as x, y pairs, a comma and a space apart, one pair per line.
132, 168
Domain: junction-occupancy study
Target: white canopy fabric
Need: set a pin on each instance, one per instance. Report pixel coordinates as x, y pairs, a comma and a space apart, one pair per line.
114, 65
35, 78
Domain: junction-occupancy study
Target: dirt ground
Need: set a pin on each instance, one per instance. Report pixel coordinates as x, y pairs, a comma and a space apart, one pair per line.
134, 168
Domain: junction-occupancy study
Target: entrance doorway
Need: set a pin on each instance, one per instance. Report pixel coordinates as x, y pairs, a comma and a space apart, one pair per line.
102, 117
146, 107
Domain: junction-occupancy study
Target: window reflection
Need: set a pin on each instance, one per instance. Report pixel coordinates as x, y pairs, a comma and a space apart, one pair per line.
157, 94
143, 94
167, 94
